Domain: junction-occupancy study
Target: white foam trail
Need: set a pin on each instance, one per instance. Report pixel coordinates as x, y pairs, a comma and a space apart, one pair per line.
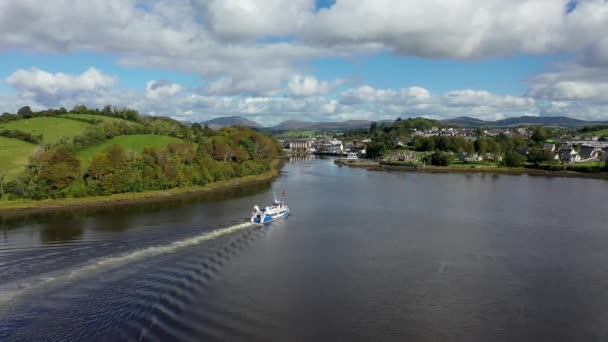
9, 293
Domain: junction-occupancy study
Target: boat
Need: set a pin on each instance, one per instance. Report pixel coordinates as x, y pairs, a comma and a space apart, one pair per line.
352, 156
276, 210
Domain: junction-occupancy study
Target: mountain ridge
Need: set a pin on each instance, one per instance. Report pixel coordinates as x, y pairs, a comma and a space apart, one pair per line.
222, 121
462, 121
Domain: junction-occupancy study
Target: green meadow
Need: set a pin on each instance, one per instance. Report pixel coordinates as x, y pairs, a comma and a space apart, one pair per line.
51, 128
14, 155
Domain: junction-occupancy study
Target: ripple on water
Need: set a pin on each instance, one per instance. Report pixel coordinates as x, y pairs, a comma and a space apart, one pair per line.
151, 299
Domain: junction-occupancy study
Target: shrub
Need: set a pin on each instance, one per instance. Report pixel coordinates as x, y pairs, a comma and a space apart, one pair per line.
513, 159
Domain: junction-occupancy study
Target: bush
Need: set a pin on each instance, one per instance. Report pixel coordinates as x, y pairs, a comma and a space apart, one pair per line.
513, 159
23, 136
440, 158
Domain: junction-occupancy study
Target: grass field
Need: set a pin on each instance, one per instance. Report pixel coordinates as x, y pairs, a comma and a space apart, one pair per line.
589, 163
131, 143
14, 155
601, 133
105, 119
300, 134
53, 129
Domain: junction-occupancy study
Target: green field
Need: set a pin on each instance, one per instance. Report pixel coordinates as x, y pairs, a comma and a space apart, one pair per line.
131, 143
105, 119
52, 129
300, 134
14, 155
601, 133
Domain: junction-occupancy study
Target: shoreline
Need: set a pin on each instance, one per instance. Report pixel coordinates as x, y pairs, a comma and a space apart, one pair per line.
20, 206
378, 166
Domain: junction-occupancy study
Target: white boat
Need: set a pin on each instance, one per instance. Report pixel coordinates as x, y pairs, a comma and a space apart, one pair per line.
352, 156
276, 210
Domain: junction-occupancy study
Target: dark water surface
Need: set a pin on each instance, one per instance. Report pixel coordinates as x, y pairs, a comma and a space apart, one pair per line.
365, 256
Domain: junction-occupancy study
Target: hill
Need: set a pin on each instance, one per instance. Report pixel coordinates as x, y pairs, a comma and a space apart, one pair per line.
131, 143
220, 122
294, 125
465, 121
14, 155
51, 128
101, 118
520, 121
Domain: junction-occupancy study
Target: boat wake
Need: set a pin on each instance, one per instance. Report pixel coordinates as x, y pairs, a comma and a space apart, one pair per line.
13, 291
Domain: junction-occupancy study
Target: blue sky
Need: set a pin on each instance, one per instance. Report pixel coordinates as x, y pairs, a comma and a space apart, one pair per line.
274, 60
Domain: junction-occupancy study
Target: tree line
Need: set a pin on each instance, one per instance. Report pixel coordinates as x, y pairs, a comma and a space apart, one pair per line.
232, 152
26, 112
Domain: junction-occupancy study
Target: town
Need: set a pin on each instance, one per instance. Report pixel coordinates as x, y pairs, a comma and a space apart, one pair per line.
560, 146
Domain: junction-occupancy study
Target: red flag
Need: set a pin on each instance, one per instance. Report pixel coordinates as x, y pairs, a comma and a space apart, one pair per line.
283, 192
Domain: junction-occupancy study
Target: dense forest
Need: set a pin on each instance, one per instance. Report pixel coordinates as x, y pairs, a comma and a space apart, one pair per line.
200, 157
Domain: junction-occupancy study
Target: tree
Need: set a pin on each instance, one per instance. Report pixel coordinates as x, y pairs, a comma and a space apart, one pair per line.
373, 127
540, 156
2, 175
513, 159
197, 128
81, 109
441, 158
25, 112
107, 110
60, 168
117, 156
540, 135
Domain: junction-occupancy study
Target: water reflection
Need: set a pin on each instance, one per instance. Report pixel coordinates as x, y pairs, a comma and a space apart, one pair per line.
62, 230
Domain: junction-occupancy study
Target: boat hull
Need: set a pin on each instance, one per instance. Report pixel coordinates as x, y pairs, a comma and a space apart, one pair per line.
266, 218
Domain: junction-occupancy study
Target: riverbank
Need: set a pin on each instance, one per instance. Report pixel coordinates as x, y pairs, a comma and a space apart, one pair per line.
407, 167
134, 197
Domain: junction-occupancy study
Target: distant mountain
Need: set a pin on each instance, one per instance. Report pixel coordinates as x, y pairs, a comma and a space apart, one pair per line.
520, 121
463, 121
220, 122
295, 125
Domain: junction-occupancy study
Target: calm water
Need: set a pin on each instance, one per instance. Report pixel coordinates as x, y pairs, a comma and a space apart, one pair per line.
365, 256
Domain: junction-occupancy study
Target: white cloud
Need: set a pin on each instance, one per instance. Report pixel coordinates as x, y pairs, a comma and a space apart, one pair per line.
461, 28
259, 45
368, 94
160, 90
305, 86
472, 98
571, 82
46, 87
238, 19
249, 52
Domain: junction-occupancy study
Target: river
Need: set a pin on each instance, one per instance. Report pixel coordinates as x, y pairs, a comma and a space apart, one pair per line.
365, 256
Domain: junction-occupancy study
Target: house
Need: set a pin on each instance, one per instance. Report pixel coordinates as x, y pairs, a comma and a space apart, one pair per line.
298, 145
470, 157
524, 151
549, 147
569, 155
589, 153
493, 157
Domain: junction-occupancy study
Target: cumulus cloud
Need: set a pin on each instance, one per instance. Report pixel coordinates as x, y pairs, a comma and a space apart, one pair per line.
258, 45
461, 28
472, 98
304, 86
250, 54
368, 94
156, 90
46, 87
571, 82
93, 88
240, 19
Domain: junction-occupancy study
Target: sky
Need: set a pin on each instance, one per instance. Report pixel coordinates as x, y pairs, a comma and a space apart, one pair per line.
323, 60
